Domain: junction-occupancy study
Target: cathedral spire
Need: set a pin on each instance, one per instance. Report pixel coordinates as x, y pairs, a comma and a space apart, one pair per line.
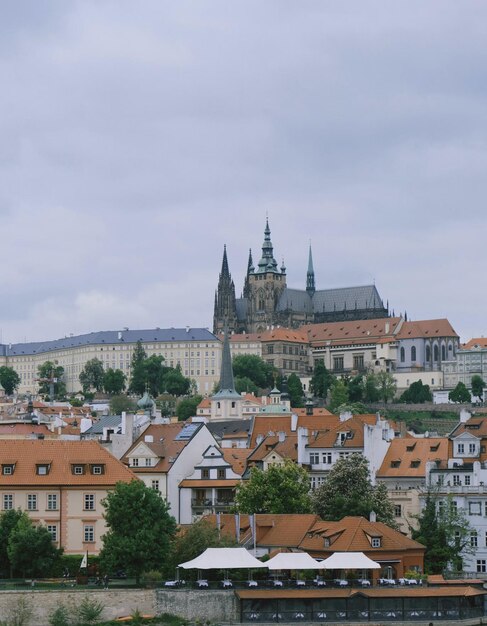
310, 276
267, 263
225, 303
250, 270
225, 273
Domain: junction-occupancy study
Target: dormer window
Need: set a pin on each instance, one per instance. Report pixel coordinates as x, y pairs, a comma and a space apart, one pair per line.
376, 542
42, 469
327, 542
410, 448
78, 469
415, 463
97, 469
396, 463
205, 473
8, 469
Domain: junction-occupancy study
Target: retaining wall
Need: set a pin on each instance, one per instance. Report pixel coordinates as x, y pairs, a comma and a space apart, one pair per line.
220, 606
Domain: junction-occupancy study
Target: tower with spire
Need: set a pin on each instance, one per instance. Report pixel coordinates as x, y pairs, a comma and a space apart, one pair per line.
226, 403
225, 311
310, 275
264, 286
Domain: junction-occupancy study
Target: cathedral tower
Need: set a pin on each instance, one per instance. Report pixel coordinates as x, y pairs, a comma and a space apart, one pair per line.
225, 312
264, 286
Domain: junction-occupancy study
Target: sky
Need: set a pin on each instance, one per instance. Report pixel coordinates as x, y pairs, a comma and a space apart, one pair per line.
137, 138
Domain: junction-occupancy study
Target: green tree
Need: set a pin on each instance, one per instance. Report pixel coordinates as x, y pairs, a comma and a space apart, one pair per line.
51, 373
278, 489
321, 380
386, 385
460, 394
477, 384
8, 521
295, 389
193, 540
253, 367
9, 379
175, 383
371, 389
114, 381
91, 376
347, 490
154, 373
138, 373
445, 532
30, 548
140, 529
187, 408
417, 393
245, 385
356, 389
121, 403
339, 395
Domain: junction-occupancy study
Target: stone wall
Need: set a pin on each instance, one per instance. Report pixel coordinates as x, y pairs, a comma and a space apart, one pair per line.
221, 606
116, 602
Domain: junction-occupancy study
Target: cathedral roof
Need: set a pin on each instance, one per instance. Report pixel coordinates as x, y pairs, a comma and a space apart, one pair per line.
328, 300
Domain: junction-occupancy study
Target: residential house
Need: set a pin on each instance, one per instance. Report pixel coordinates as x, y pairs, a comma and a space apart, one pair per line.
61, 484
404, 471
469, 360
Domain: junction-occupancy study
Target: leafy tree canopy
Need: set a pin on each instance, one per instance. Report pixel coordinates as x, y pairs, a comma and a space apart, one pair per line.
50, 371
187, 408
445, 533
278, 489
417, 393
460, 394
9, 379
478, 386
321, 380
295, 389
121, 403
91, 376
114, 381
347, 490
339, 395
175, 383
386, 385
245, 385
193, 540
255, 368
8, 521
30, 548
140, 529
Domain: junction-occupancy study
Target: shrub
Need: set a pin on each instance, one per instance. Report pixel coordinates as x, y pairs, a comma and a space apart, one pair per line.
89, 611
19, 614
60, 616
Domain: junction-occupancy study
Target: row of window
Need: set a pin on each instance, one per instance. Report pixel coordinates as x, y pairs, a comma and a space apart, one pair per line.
52, 502
43, 469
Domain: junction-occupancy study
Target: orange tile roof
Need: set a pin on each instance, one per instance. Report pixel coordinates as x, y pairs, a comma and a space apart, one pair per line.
276, 334
237, 457
317, 412
60, 455
265, 424
163, 445
426, 328
351, 535
476, 426
23, 430
287, 449
408, 457
478, 342
363, 330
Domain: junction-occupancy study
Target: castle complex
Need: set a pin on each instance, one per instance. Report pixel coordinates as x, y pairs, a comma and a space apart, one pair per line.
267, 300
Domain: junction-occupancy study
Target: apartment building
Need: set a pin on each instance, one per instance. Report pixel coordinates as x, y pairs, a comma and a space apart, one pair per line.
470, 359
196, 350
60, 484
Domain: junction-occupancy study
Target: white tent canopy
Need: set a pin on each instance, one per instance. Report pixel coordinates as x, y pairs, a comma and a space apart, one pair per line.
293, 560
223, 558
349, 560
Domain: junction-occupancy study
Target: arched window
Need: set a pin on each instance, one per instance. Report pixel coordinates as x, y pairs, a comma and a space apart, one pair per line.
435, 353
443, 353
413, 353
428, 354
403, 355
450, 350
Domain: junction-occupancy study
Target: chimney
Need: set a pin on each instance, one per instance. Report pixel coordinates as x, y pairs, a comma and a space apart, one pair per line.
149, 439
386, 328
464, 416
282, 436
346, 415
259, 439
372, 517
309, 406
294, 422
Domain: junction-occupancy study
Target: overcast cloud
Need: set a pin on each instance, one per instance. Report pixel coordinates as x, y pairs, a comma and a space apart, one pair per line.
136, 138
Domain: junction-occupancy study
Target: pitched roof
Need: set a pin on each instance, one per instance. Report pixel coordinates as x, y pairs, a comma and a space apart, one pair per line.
19, 429
359, 331
267, 424
426, 328
353, 427
353, 534
478, 342
110, 337
164, 445
287, 449
408, 457
237, 457
60, 455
